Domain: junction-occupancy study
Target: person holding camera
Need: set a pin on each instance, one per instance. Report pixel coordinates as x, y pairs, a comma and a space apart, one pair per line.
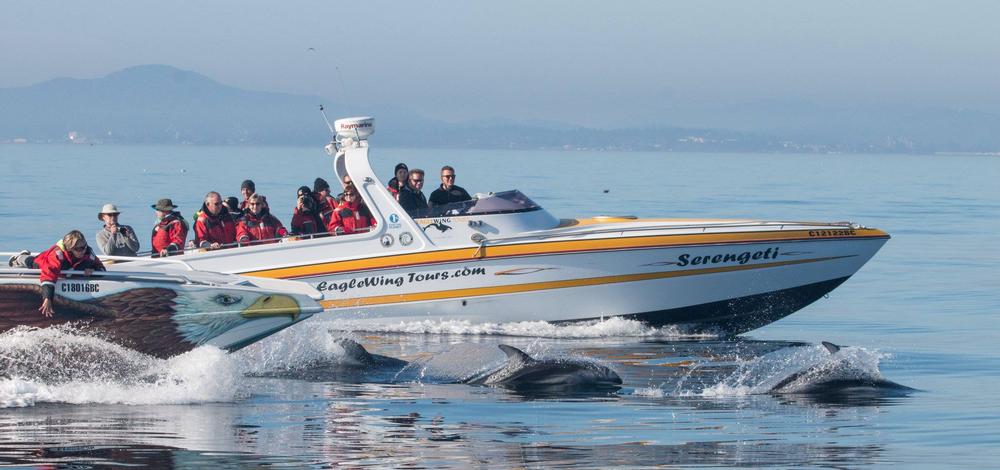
305, 218
115, 239
170, 230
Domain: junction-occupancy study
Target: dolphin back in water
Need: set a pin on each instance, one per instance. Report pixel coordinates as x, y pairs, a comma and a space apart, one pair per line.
834, 376
523, 372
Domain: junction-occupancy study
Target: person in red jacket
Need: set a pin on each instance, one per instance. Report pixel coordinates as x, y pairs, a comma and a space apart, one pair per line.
351, 215
170, 230
258, 225
305, 220
71, 252
214, 226
247, 189
324, 202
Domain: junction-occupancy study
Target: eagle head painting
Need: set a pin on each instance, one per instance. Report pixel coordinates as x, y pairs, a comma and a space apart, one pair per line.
161, 321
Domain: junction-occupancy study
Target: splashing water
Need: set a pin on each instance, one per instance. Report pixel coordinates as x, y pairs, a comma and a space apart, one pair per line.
302, 346
63, 365
609, 327
797, 369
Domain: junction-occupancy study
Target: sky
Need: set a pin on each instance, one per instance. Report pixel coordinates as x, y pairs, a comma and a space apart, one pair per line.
579, 62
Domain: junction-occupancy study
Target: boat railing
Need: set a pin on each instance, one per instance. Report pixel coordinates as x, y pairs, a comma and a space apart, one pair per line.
190, 248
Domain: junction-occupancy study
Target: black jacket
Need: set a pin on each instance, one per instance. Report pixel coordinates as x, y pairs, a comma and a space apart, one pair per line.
413, 202
442, 196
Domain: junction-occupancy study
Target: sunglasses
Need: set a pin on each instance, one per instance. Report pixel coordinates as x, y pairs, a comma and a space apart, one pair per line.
448, 176
254, 204
79, 249
416, 181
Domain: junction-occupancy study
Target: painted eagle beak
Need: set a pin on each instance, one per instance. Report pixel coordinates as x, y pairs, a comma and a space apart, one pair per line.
272, 306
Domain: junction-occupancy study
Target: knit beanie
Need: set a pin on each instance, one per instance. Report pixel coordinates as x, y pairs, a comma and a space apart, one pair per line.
320, 184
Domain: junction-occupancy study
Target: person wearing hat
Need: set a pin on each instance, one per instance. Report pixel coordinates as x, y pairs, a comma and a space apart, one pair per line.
170, 230
115, 239
398, 180
247, 188
324, 203
305, 220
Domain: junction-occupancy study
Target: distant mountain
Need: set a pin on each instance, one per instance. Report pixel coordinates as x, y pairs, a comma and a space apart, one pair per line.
159, 104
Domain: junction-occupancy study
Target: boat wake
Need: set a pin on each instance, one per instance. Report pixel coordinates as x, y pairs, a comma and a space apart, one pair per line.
609, 327
64, 365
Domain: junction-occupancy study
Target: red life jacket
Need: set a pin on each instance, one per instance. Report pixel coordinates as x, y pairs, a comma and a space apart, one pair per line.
51, 262
210, 229
349, 217
306, 223
170, 233
394, 187
259, 227
324, 208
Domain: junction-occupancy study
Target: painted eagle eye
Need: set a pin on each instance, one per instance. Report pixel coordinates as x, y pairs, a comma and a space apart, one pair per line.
226, 299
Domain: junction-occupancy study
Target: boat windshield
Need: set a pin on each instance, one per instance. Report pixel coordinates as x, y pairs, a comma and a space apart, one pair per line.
505, 202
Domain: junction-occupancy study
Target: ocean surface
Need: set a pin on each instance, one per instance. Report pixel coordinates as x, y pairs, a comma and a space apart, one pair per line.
924, 313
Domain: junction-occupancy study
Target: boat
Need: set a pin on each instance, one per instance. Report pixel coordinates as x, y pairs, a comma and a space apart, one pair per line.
160, 310
502, 258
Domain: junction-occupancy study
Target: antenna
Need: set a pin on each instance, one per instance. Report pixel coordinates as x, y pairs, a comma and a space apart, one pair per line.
327, 120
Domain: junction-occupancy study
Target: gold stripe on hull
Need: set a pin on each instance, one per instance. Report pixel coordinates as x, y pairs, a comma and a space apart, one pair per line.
548, 248
548, 285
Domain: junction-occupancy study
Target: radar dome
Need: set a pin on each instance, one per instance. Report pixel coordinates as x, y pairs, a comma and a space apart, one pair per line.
357, 128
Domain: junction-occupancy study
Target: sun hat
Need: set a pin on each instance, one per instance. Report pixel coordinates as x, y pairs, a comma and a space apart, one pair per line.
164, 204
107, 209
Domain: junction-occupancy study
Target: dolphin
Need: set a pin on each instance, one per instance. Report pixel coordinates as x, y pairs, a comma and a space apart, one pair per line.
355, 355
831, 377
522, 372
519, 372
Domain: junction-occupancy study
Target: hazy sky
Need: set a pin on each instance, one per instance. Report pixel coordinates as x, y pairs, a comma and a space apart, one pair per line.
573, 61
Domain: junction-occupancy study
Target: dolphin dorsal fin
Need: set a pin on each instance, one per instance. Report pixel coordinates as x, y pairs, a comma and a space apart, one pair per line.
833, 348
354, 350
515, 355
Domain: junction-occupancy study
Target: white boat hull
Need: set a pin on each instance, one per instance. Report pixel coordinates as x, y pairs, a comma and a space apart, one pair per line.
646, 284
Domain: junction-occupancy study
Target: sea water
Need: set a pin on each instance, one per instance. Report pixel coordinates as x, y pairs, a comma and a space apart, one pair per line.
922, 313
